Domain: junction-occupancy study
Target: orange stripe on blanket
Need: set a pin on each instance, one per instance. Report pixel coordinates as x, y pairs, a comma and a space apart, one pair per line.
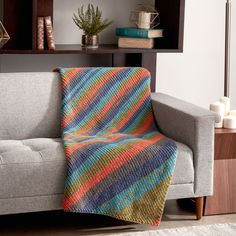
127, 118
120, 160
69, 76
90, 123
87, 96
142, 129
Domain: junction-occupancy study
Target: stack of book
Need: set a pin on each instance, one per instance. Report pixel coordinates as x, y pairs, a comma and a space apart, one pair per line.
45, 31
137, 38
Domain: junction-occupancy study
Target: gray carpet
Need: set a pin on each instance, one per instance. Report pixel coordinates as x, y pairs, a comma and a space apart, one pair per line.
207, 230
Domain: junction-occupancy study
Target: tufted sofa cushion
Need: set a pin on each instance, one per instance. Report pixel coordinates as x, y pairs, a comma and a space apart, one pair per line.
31, 167
30, 105
37, 167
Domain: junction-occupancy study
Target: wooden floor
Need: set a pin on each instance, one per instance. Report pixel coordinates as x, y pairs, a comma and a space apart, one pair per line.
177, 214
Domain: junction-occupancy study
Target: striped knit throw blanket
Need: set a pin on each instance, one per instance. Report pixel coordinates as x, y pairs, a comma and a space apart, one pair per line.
119, 164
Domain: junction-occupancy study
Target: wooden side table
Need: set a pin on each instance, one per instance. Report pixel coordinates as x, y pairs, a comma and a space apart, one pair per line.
224, 198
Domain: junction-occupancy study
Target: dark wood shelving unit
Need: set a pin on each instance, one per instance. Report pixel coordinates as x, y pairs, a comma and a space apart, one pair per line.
20, 20
78, 49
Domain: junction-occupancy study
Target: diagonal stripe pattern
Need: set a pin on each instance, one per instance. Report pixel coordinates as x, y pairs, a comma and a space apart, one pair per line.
119, 164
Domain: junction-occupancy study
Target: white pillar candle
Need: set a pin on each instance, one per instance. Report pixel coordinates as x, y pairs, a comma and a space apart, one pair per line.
226, 102
230, 122
144, 20
232, 113
219, 108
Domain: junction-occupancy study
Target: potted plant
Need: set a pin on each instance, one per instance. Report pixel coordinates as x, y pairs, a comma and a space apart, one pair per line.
91, 22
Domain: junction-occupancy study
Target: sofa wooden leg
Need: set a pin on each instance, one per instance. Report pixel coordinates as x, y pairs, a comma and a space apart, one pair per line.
199, 202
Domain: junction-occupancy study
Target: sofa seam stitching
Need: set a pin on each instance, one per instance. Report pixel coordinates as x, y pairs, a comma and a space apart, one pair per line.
55, 194
22, 163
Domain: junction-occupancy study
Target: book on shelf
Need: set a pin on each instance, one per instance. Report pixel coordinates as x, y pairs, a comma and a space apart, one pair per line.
49, 33
135, 43
139, 33
44, 27
40, 36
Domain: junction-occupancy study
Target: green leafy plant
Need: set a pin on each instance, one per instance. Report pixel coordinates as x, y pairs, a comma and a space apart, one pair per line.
90, 20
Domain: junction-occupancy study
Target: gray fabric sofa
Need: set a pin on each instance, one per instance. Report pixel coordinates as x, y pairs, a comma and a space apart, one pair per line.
32, 161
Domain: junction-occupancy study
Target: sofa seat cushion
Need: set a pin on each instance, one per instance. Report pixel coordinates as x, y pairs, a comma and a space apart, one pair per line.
31, 167
184, 170
37, 167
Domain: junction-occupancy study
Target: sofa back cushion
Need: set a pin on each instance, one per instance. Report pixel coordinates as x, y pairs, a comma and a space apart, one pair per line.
29, 105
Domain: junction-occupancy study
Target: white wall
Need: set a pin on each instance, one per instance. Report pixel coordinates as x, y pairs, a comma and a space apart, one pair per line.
117, 10
196, 75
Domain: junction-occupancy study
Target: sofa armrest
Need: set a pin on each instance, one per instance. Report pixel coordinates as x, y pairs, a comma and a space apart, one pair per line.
193, 126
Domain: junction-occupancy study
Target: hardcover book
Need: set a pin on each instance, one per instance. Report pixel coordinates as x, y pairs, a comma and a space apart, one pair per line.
49, 33
40, 38
139, 33
135, 43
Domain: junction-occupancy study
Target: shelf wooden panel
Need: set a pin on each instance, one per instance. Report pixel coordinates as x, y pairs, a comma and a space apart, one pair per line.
78, 49
225, 140
172, 20
223, 200
18, 22
225, 131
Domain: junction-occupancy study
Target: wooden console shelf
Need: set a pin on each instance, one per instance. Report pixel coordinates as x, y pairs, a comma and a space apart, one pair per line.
223, 201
